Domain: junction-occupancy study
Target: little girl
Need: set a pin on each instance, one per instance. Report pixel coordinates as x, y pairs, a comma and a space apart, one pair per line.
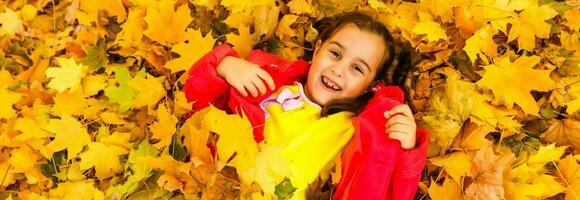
314, 111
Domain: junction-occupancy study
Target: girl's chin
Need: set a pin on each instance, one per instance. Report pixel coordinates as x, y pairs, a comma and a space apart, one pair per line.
323, 97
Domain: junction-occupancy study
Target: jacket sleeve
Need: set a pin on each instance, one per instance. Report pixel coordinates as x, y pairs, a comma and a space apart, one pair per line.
407, 172
203, 84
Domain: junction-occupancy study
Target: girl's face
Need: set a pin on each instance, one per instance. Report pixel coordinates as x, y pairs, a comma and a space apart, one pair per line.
345, 65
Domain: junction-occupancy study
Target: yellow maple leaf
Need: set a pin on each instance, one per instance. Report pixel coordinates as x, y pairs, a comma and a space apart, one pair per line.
162, 17
65, 129
112, 118
68, 75
196, 135
271, 168
150, 90
94, 108
265, 21
563, 132
235, 137
456, 164
450, 190
569, 173
443, 8
466, 21
89, 10
529, 24
378, 4
525, 182
450, 107
243, 42
176, 174
573, 91
497, 13
23, 160
105, 159
77, 190
484, 113
181, 106
209, 4
8, 99
546, 154
246, 6
6, 79
74, 172
572, 17
29, 129
8, 176
239, 19
510, 82
567, 93
164, 128
301, 7
481, 43
428, 27
472, 137
70, 103
540, 187
92, 84
132, 31
190, 50
120, 139
11, 23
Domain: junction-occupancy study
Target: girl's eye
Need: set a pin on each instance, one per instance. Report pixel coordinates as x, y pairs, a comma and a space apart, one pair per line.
335, 54
357, 68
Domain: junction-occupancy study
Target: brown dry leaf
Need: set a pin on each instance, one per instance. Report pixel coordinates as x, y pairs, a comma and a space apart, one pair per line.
487, 172
563, 132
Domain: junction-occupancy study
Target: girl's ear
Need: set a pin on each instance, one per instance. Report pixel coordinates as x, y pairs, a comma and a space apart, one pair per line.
317, 46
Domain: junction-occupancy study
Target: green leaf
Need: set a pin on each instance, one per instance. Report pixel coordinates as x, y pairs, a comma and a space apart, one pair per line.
284, 189
50, 169
96, 56
548, 112
122, 94
140, 171
176, 149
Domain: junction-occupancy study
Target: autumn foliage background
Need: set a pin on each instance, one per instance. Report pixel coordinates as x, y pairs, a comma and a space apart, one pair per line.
91, 100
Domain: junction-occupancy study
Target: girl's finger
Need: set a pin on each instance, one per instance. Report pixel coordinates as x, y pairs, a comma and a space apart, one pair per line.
401, 131
259, 84
266, 77
399, 118
400, 109
396, 135
398, 125
251, 88
240, 89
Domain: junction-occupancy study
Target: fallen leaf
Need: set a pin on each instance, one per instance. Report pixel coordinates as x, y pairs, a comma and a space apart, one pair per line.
563, 132
509, 82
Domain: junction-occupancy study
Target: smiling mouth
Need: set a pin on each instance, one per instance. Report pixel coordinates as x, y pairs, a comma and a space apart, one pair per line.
329, 84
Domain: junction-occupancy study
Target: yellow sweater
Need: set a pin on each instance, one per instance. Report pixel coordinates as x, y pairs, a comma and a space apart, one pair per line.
308, 142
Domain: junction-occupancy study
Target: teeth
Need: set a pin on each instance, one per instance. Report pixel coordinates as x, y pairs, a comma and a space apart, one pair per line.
330, 84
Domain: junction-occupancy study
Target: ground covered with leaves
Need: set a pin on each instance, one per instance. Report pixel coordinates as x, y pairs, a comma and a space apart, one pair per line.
91, 100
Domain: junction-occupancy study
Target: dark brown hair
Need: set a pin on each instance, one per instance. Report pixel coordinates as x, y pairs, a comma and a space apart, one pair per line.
328, 26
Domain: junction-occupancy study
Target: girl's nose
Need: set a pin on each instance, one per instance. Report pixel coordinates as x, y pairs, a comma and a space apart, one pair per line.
338, 69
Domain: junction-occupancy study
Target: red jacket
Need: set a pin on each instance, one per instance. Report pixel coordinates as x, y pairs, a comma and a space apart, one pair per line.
373, 166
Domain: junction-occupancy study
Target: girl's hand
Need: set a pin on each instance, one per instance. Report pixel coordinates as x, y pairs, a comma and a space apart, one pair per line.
245, 76
401, 125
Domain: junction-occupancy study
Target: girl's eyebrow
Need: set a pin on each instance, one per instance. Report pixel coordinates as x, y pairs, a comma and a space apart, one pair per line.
357, 58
